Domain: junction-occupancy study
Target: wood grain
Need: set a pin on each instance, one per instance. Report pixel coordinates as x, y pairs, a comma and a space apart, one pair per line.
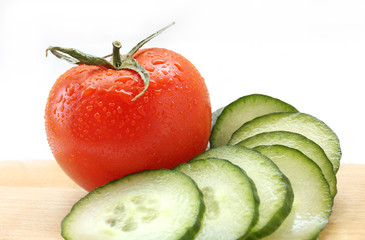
36, 195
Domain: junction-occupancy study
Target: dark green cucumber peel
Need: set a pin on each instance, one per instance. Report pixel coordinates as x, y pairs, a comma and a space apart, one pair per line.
228, 119
301, 143
111, 225
256, 166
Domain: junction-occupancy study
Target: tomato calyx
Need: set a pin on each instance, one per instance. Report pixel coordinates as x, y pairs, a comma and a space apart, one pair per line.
117, 62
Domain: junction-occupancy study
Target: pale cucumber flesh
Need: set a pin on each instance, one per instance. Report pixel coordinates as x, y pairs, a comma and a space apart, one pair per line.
273, 188
242, 110
301, 143
301, 123
151, 205
312, 202
229, 195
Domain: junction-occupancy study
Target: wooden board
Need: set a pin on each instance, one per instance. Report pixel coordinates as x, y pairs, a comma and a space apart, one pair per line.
36, 195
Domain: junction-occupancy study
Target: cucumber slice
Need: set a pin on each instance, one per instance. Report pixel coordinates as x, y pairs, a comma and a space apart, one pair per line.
152, 204
301, 143
243, 110
229, 195
301, 123
273, 188
312, 203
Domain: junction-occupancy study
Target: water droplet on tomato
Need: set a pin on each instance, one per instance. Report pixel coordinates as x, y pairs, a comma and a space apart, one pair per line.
109, 72
150, 68
119, 109
178, 66
70, 90
141, 111
145, 99
172, 105
89, 90
97, 115
158, 61
111, 104
123, 91
70, 100
89, 108
153, 83
59, 98
181, 89
154, 113
124, 79
80, 71
108, 114
100, 104
181, 79
157, 92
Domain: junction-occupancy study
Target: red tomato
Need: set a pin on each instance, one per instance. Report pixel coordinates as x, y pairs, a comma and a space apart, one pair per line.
97, 133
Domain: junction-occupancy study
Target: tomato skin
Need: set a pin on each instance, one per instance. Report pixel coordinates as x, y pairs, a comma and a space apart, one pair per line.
97, 133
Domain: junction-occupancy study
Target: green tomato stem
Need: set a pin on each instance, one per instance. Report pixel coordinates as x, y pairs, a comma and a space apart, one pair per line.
144, 41
117, 60
75, 56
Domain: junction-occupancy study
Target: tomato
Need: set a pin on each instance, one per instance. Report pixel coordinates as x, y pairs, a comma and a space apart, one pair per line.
97, 133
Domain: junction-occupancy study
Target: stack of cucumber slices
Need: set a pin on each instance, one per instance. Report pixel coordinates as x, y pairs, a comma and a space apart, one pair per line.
270, 173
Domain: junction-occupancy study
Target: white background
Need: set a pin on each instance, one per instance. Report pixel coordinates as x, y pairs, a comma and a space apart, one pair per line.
310, 54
